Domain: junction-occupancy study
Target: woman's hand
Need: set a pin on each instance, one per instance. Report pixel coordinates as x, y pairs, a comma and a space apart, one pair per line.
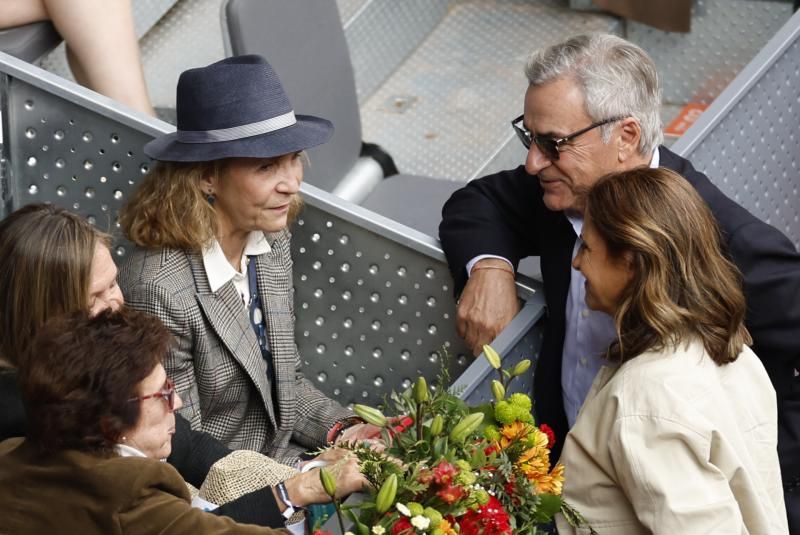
306, 488
358, 433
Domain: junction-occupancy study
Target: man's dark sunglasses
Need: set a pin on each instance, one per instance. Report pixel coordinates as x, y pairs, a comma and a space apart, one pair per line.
550, 146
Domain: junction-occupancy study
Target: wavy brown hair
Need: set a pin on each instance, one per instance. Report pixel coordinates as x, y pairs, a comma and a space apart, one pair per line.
46, 257
170, 210
683, 285
77, 388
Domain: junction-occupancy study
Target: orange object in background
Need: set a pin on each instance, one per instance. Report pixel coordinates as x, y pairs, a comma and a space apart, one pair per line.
685, 119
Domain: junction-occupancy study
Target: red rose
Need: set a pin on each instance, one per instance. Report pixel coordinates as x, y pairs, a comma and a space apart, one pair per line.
489, 519
320, 532
551, 436
402, 527
494, 448
444, 472
451, 494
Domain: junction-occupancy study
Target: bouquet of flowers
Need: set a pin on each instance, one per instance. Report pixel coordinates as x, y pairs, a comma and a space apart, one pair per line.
449, 468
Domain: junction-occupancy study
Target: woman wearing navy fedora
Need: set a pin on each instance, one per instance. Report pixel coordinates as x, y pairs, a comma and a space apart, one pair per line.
213, 260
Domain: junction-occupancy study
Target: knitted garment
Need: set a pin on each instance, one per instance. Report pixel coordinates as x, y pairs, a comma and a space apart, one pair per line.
242, 472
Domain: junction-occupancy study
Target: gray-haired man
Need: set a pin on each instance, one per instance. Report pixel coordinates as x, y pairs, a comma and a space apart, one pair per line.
592, 108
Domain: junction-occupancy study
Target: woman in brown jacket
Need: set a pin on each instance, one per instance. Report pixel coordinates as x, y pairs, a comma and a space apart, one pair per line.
100, 421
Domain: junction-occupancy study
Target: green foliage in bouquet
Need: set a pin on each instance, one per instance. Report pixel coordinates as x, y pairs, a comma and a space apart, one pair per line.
452, 469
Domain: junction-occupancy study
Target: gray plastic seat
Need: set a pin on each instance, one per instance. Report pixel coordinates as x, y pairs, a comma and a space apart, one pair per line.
415, 201
29, 42
305, 43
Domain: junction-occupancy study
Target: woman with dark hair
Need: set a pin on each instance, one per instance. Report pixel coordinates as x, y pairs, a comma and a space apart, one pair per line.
54, 262
679, 431
100, 418
214, 262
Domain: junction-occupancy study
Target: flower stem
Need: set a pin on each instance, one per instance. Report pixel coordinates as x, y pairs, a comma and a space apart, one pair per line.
420, 416
338, 507
502, 378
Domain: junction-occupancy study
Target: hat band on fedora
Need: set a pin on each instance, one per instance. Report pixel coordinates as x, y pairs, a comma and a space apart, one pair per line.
237, 132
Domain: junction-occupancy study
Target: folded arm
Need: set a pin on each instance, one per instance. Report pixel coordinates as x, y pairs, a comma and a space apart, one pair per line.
491, 216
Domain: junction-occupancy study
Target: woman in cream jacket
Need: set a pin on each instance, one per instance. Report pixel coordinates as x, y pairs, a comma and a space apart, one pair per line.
679, 432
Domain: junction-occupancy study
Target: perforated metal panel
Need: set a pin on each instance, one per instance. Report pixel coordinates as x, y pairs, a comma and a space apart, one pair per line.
726, 34
748, 141
70, 156
522, 339
372, 314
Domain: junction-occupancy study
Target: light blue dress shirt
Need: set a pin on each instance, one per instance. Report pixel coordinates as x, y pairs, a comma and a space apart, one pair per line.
588, 332
588, 335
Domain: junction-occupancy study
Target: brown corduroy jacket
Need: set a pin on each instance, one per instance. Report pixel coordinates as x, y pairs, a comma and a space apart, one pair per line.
75, 492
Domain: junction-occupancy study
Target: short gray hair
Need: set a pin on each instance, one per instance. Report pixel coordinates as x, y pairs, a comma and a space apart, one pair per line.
618, 79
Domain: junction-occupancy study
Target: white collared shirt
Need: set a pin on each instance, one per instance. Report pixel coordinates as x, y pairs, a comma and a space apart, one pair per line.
588, 334
123, 450
219, 271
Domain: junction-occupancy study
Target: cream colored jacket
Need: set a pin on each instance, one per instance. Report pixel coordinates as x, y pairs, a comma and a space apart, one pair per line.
670, 442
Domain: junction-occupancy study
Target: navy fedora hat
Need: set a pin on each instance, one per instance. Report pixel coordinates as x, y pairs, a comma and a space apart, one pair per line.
236, 108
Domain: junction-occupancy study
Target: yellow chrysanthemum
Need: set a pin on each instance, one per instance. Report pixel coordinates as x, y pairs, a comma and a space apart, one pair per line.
552, 483
534, 466
540, 439
444, 528
510, 433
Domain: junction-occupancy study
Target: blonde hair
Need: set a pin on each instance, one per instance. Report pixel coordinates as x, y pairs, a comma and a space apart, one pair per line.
170, 210
683, 285
46, 258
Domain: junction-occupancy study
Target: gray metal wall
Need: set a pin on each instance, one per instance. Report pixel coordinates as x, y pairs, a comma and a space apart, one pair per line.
748, 141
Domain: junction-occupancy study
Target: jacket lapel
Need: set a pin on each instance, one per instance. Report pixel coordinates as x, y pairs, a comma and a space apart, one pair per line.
275, 290
226, 314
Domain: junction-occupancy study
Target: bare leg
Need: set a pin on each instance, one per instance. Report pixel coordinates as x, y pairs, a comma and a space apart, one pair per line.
20, 12
102, 48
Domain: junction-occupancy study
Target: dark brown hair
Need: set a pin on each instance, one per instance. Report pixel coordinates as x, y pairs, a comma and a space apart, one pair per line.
45, 265
76, 388
683, 285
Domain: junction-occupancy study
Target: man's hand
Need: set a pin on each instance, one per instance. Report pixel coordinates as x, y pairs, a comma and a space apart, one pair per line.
488, 303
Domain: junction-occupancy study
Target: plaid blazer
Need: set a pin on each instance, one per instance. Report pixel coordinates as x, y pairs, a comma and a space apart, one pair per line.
216, 363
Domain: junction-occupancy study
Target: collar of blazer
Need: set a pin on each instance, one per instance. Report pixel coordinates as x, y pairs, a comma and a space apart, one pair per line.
227, 318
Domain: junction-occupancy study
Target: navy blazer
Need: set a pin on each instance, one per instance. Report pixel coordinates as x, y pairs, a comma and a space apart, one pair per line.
504, 214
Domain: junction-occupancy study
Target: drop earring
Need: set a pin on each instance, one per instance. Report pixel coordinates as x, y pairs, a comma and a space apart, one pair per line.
210, 198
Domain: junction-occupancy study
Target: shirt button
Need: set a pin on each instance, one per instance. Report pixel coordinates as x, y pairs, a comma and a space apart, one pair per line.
583, 361
585, 312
